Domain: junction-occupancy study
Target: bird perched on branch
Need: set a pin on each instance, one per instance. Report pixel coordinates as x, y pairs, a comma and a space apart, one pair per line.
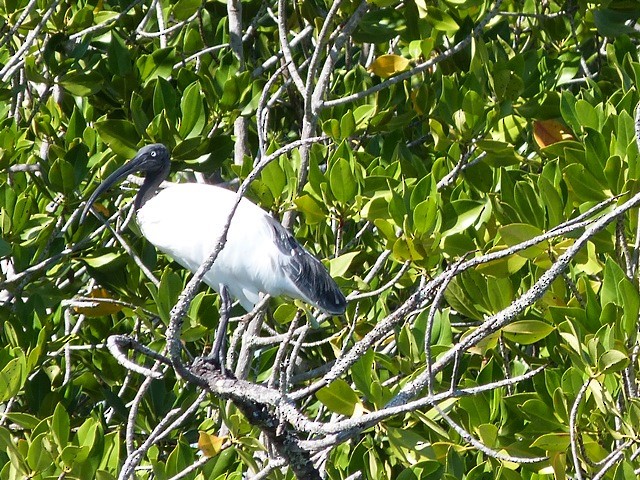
260, 255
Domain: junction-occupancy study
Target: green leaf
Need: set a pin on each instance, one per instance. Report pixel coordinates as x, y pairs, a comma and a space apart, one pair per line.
612, 361
459, 215
378, 206
516, 233
74, 455
167, 295
488, 433
24, 207
500, 293
111, 453
552, 201
363, 372
457, 296
118, 56
234, 89
102, 475
338, 266
274, 178
165, 99
502, 267
76, 126
628, 295
109, 269
138, 115
120, 135
526, 332
477, 407
62, 176
82, 84
183, 9
60, 426
613, 277
347, 125
332, 128
192, 108
441, 20
39, 456
12, 377
313, 212
613, 23
425, 215
568, 109
541, 416
379, 25
338, 397
102, 260
596, 155
83, 18
24, 420
583, 184
553, 442
528, 204
87, 433
342, 181
159, 64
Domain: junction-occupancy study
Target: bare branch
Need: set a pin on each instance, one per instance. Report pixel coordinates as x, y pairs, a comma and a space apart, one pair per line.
286, 49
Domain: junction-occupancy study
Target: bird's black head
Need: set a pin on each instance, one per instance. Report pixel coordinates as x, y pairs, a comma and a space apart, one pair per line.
153, 160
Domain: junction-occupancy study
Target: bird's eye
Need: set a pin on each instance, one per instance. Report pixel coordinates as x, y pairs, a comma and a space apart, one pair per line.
153, 154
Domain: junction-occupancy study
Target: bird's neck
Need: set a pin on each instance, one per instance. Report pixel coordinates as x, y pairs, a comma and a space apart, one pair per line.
148, 189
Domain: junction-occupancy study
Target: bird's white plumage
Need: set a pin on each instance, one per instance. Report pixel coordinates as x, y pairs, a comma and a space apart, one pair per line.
184, 221
260, 255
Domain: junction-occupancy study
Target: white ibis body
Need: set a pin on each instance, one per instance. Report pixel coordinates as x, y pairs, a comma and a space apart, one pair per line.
260, 255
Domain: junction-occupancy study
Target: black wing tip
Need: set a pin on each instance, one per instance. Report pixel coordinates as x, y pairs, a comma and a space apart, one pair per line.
311, 278
333, 306
315, 283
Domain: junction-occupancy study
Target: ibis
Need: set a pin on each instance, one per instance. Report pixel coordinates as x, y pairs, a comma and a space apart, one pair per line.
260, 255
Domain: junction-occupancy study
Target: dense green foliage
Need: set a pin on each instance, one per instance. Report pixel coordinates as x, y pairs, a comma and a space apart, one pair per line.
448, 155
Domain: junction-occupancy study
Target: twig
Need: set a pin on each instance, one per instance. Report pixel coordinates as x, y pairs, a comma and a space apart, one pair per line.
386, 286
483, 448
116, 342
270, 467
573, 428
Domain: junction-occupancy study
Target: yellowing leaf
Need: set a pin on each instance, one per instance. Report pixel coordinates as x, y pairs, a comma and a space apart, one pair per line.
210, 445
100, 309
548, 132
98, 207
386, 65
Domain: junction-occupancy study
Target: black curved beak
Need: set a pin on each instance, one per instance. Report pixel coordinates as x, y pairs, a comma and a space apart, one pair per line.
122, 172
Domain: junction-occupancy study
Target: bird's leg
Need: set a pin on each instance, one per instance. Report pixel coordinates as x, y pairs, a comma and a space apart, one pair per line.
218, 353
